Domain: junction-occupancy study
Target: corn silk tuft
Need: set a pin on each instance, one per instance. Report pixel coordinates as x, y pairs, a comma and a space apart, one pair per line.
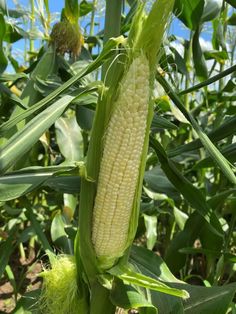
59, 292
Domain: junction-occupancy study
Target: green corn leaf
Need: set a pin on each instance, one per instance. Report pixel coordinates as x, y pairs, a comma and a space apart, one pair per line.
69, 184
19, 183
157, 182
45, 66
226, 129
28, 303
162, 123
193, 228
211, 10
46, 4
221, 161
3, 59
24, 139
219, 199
85, 7
100, 302
189, 191
230, 85
189, 12
215, 154
215, 299
5, 77
12, 96
232, 2
180, 217
228, 151
198, 57
150, 264
146, 259
6, 249
38, 229
69, 138
232, 19
107, 51
209, 81
191, 250
131, 277
127, 297
151, 230
58, 234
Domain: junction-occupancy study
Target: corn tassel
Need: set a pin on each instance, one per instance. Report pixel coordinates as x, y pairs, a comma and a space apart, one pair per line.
119, 169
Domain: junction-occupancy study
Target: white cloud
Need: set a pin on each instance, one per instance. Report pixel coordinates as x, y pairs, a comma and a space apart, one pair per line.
205, 44
178, 46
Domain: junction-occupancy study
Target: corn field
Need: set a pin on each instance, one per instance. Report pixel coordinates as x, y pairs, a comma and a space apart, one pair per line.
118, 157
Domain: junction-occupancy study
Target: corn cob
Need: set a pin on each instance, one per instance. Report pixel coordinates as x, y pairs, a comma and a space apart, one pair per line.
119, 169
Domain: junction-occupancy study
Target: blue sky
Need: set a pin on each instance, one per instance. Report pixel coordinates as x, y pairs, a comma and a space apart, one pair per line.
176, 28
54, 5
57, 5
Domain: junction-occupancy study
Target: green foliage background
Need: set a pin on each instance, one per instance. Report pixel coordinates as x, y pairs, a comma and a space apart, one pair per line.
188, 206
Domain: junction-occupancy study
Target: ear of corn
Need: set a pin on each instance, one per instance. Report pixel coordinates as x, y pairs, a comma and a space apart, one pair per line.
109, 208
119, 170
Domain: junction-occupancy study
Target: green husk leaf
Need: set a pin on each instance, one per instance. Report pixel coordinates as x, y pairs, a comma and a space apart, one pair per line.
153, 29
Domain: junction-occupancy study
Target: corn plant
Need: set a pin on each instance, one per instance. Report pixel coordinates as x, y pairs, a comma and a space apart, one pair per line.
100, 173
